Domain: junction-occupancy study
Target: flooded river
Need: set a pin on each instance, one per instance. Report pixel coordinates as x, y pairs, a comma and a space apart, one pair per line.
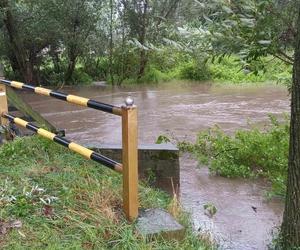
182, 110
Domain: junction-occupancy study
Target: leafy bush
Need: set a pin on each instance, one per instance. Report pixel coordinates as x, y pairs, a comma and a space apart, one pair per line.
249, 153
154, 75
165, 66
194, 71
97, 68
231, 69
80, 77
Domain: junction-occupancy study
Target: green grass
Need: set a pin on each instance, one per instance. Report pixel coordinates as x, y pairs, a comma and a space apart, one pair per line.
67, 202
248, 153
168, 65
268, 69
228, 70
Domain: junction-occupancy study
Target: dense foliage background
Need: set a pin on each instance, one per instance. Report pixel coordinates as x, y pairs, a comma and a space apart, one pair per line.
130, 41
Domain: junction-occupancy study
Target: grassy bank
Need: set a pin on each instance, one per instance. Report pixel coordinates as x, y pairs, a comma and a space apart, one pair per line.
228, 70
53, 199
167, 65
248, 153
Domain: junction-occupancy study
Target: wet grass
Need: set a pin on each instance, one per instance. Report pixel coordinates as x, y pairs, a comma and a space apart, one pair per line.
66, 202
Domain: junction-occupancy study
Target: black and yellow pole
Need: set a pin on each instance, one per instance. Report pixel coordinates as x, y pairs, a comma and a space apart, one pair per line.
87, 153
81, 101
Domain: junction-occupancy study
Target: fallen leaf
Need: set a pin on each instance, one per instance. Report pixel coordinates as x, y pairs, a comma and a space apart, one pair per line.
48, 211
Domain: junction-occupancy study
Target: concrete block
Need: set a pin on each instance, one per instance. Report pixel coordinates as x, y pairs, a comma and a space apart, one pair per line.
156, 222
158, 163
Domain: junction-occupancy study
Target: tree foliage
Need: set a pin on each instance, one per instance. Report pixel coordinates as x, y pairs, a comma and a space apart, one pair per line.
250, 29
48, 41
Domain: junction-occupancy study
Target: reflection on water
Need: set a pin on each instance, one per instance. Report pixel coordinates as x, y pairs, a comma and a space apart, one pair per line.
182, 110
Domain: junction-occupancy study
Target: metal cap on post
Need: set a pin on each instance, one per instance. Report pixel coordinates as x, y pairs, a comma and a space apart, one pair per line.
130, 159
129, 101
3, 98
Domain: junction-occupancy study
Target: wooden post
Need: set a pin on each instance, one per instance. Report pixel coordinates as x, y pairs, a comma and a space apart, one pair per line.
3, 99
3, 104
130, 160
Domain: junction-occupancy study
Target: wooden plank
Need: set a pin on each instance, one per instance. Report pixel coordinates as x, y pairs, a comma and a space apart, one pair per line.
130, 162
26, 109
3, 104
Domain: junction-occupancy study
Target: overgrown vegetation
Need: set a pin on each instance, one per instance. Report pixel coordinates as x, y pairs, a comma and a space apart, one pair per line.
267, 69
58, 200
76, 42
248, 153
227, 70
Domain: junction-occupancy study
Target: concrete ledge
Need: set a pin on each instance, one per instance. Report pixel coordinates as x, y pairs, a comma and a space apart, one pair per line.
156, 222
158, 163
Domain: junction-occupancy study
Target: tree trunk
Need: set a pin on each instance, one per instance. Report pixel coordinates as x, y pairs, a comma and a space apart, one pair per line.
123, 53
55, 58
111, 44
290, 228
16, 43
143, 63
71, 64
70, 70
142, 40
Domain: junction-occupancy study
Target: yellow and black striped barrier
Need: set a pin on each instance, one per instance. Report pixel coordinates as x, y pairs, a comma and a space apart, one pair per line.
87, 153
81, 101
129, 166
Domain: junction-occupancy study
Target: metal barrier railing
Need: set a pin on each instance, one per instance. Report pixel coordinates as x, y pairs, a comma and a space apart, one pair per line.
128, 112
81, 101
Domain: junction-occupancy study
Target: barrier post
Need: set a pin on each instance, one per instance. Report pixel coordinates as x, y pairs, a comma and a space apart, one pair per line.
3, 99
130, 159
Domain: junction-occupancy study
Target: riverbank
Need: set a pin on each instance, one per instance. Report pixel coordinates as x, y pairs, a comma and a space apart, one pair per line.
54, 199
252, 153
163, 68
229, 70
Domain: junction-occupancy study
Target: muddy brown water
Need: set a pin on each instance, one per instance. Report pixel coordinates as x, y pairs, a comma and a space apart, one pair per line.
181, 110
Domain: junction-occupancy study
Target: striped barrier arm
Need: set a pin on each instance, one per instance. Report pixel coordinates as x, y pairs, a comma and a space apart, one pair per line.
81, 101
87, 153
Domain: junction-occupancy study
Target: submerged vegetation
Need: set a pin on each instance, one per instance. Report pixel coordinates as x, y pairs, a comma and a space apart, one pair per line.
248, 153
53, 199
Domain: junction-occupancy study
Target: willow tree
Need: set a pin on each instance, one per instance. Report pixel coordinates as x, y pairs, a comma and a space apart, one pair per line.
35, 31
26, 30
76, 21
146, 21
